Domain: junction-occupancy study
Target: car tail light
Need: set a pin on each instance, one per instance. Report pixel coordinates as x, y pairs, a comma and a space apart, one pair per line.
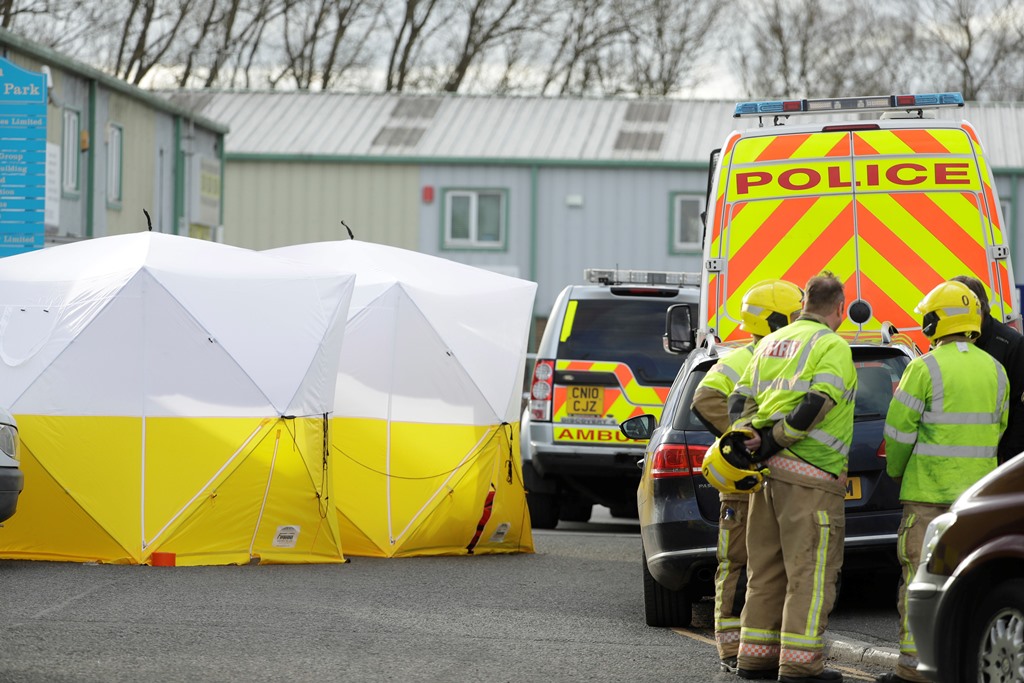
677, 460
881, 449
542, 389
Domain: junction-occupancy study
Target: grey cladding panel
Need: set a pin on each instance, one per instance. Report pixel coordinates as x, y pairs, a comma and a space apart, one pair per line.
648, 111
415, 108
398, 136
643, 141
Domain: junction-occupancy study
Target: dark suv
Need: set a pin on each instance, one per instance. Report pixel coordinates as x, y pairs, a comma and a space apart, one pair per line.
679, 509
966, 603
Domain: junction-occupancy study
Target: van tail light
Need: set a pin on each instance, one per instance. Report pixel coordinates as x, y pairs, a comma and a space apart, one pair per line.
881, 449
542, 390
677, 460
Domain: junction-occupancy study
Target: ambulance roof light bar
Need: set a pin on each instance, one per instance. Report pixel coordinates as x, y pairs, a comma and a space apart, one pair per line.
614, 276
849, 104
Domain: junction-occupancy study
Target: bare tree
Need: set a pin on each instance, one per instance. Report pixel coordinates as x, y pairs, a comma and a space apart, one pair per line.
580, 33
487, 22
817, 48
411, 30
668, 41
976, 46
320, 42
150, 29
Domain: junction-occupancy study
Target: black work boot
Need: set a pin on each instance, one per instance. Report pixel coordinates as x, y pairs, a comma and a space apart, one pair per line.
728, 665
892, 678
758, 674
826, 676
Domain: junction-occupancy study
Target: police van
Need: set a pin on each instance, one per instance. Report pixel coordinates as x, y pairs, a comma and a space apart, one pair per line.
600, 361
881, 192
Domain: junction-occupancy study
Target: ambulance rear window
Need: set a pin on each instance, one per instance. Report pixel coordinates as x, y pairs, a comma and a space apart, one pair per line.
627, 331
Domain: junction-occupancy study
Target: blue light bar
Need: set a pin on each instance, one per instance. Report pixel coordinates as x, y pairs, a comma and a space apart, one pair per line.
849, 104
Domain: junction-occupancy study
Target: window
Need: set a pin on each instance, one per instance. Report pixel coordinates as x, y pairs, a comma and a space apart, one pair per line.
69, 166
474, 219
115, 160
687, 226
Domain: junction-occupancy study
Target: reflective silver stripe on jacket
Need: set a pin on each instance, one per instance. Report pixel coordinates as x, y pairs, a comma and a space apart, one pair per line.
954, 451
791, 383
939, 416
826, 439
938, 390
829, 379
727, 371
910, 401
933, 417
897, 435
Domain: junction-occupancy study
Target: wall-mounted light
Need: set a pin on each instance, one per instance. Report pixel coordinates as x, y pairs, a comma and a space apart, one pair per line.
574, 200
428, 194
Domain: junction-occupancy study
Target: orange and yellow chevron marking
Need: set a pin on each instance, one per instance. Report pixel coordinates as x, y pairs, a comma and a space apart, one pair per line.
632, 400
791, 146
767, 238
923, 199
911, 141
632, 393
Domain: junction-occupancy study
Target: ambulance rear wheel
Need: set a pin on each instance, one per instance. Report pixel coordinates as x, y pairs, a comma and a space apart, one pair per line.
544, 510
664, 607
576, 510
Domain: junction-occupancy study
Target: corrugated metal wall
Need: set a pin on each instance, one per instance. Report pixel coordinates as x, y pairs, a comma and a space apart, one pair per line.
272, 204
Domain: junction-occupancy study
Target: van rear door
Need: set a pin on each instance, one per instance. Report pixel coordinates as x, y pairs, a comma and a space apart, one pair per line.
893, 208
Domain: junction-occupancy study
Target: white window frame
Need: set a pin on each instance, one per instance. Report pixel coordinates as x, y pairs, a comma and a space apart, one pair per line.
115, 163
69, 161
679, 244
473, 241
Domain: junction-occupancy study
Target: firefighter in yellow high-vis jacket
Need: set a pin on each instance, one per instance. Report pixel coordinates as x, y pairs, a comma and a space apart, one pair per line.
767, 306
942, 432
797, 394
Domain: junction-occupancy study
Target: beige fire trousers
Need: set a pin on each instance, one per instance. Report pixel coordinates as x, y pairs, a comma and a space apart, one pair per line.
794, 553
910, 537
732, 560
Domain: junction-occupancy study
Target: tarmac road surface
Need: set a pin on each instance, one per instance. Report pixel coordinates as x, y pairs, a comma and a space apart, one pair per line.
572, 611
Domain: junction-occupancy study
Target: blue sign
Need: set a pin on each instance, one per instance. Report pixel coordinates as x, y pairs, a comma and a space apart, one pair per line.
22, 158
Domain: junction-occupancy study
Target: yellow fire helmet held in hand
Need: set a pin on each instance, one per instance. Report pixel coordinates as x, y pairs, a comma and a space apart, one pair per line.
729, 466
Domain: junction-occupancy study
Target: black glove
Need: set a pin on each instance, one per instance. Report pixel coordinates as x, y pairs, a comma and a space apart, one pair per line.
769, 446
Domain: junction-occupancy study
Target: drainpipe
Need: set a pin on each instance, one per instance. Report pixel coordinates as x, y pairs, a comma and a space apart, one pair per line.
179, 177
90, 164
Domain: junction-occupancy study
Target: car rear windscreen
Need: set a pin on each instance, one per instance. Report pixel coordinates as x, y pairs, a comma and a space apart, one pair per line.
627, 331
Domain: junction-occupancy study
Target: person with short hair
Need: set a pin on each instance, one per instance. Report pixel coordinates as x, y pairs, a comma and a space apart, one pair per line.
1006, 345
797, 394
768, 306
942, 433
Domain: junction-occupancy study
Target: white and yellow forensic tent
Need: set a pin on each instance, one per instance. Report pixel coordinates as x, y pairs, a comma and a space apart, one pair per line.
427, 404
173, 399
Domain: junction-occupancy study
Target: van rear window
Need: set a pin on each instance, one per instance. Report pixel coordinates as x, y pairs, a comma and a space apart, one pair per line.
626, 331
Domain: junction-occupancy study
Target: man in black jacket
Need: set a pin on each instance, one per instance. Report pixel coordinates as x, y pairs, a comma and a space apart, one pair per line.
1006, 345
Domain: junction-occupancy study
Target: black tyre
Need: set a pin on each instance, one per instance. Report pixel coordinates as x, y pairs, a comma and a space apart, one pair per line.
543, 510
575, 511
625, 510
995, 644
663, 607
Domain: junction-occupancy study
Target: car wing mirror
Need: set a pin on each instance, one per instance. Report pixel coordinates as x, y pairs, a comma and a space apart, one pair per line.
639, 428
679, 333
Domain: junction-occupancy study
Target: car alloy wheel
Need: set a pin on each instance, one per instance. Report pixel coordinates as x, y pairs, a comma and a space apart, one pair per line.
1001, 638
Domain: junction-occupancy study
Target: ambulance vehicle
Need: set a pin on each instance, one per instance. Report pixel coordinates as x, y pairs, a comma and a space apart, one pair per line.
881, 191
600, 361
